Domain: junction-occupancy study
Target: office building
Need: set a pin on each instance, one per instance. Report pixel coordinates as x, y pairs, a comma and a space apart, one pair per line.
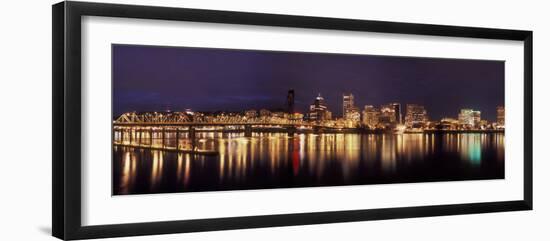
348, 104
416, 116
469, 117
370, 116
318, 111
500, 116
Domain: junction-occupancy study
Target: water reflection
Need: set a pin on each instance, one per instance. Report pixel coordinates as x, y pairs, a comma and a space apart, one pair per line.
156, 170
470, 148
273, 160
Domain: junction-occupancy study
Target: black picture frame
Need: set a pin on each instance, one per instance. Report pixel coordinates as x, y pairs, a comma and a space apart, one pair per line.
66, 168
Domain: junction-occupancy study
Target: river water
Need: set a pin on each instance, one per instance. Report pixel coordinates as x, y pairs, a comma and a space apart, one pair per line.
277, 160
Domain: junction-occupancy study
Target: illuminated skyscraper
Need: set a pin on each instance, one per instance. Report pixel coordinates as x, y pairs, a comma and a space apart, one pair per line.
370, 116
290, 101
387, 115
349, 111
397, 109
318, 111
347, 103
416, 116
469, 117
465, 117
353, 115
390, 114
500, 116
477, 118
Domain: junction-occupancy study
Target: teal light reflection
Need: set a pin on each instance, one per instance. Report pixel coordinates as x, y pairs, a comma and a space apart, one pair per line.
472, 148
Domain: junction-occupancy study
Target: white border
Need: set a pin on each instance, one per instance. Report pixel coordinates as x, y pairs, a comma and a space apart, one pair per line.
100, 208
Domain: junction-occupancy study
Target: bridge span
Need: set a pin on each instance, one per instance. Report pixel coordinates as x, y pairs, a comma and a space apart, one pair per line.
175, 130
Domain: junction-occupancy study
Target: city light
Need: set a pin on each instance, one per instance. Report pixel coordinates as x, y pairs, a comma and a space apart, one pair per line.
319, 118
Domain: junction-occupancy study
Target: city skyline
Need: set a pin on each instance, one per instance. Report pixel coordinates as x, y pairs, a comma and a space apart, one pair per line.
289, 107
148, 78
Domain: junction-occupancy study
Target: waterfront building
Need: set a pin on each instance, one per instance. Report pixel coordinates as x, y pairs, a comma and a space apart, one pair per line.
469, 118
397, 110
353, 116
416, 116
448, 123
297, 116
430, 125
279, 114
265, 113
483, 124
318, 111
387, 115
465, 117
370, 116
500, 116
390, 114
450, 120
477, 118
250, 114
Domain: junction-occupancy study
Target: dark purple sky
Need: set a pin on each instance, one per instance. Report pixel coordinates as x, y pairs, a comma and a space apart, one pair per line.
152, 78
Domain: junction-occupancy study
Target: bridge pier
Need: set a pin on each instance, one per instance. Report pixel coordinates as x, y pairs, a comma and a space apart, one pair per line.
291, 130
248, 131
163, 133
139, 136
317, 129
177, 138
192, 135
131, 135
150, 137
113, 136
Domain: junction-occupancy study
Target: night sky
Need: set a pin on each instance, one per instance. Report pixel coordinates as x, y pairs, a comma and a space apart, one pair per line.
152, 78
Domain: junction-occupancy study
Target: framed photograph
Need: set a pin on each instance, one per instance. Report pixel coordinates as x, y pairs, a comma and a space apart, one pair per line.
169, 120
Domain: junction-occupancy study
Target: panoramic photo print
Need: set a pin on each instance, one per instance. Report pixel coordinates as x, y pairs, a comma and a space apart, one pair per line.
189, 119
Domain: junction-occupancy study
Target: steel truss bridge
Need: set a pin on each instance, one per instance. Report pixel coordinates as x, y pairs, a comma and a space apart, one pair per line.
183, 119
140, 129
